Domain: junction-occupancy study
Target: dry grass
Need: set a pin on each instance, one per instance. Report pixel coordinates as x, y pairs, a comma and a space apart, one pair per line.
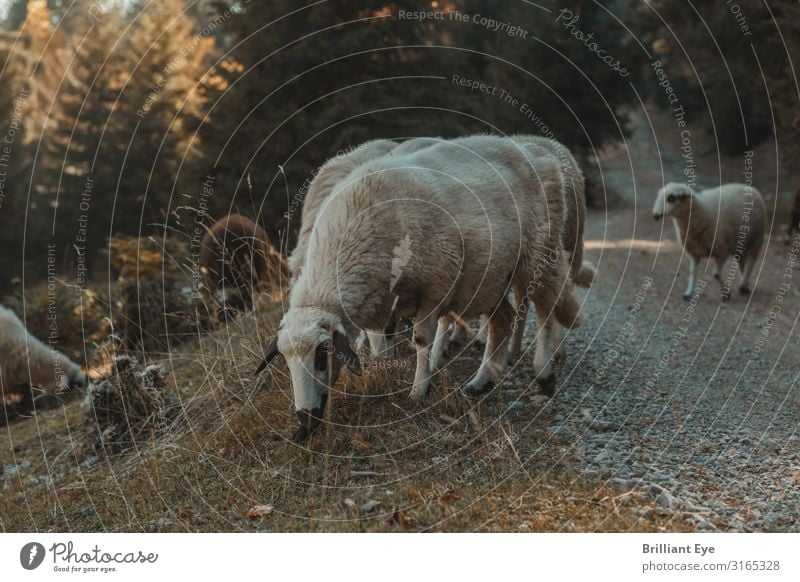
381, 463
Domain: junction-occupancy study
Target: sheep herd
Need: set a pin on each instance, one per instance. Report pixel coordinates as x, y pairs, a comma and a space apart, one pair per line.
437, 232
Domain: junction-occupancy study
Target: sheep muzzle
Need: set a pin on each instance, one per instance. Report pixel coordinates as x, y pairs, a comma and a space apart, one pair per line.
309, 421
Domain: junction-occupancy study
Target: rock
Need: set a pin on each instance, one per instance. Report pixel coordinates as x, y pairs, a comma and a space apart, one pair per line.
666, 500
770, 445
369, 506
560, 431
12, 469
515, 405
539, 399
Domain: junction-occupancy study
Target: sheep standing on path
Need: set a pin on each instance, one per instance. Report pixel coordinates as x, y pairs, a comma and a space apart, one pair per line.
716, 224
26, 363
237, 262
581, 272
470, 227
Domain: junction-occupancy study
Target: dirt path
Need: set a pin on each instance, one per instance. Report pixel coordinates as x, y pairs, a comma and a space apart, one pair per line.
697, 404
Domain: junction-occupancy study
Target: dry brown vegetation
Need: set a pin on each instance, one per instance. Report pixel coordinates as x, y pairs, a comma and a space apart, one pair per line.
381, 463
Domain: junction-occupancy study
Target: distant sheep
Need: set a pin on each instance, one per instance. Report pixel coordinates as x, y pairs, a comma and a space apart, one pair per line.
718, 223
237, 262
27, 363
439, 207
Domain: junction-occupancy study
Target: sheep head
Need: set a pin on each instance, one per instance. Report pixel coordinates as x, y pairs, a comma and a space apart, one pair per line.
315, 345
671, 200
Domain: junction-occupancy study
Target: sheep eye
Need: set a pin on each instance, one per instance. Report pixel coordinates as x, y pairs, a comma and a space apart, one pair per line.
321, 357
671, 198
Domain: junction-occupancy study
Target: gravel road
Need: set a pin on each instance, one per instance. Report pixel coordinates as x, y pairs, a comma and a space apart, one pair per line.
695, 405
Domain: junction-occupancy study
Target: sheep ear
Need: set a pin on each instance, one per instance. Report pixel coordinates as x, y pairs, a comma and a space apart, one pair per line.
343, 351
272, 351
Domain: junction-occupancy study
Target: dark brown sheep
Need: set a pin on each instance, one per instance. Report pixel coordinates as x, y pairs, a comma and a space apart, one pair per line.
237, 262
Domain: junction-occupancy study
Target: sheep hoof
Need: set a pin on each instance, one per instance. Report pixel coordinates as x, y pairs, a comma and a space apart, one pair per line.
547, 384
418, 394
744, 290
472, 390
301, 434
687, 296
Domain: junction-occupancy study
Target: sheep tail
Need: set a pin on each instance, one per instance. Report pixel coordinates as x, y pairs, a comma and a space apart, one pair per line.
585, 275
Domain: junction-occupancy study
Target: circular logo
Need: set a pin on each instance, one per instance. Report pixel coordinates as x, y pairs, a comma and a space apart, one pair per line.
31, 555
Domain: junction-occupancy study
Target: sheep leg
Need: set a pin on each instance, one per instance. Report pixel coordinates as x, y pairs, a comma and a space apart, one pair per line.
440, 344
361, 341
461, 334
377, 343
693, 264
495, 356
745, 269
518, 328
724, 288
424, 335
542, 357
559, 352
482, 336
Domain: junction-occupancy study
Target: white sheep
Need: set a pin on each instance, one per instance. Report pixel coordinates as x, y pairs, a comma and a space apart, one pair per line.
582, 272
716, 224
332, 173
327, 177
452, 227
27, 363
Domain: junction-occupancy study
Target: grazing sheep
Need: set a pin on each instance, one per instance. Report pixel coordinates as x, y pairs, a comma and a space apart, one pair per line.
716, 224
236, 262
27, 363
450, 228
329, 175
582, 272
